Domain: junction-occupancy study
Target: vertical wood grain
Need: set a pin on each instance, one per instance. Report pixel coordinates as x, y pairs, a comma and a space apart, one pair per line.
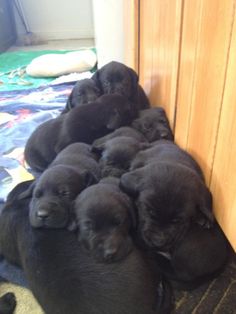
131, 34
223, 182
160, 32
203, 62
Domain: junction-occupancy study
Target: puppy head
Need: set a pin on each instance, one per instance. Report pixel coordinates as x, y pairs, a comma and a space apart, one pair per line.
153, 124
169, 198
117, 78
52, 196
117, 154
105, 217
84, 92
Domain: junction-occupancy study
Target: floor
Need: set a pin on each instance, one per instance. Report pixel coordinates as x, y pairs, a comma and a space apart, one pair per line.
70, 44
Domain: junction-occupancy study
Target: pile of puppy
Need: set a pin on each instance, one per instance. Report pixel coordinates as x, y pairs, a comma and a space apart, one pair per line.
117, 211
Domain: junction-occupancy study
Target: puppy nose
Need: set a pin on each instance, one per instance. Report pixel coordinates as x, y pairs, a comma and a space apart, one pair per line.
42, 213
109, 253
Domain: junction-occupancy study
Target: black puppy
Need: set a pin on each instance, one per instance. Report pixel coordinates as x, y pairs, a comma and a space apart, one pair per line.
64, 279
82, 124
105, 217
84, 92
164, 150
7, 303
153, 124
115, 77
40, 147
123, 131
175, 217
117, 154
73, 170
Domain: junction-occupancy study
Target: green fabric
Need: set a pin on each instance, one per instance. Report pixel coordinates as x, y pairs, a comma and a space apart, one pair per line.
10, 61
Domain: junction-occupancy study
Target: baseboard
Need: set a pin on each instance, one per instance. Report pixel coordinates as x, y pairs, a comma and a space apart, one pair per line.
63, 34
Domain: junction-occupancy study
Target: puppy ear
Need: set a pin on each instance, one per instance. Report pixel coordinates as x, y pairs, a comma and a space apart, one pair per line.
205, 215
130, 183
96, 79
20, 190
69, 103
134, 76
27, 193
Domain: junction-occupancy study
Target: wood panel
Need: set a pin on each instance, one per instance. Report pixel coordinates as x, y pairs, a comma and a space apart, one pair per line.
131, 35
223, 183
204, 53
160, 31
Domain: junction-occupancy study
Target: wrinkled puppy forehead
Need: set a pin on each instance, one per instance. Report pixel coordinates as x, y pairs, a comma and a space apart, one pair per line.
101, 199
58, 176
169, 184
114, 71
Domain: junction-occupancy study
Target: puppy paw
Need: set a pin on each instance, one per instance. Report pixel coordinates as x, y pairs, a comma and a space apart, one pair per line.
7, 303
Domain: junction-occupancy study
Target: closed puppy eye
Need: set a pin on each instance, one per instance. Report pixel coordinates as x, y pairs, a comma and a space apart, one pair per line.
63, 192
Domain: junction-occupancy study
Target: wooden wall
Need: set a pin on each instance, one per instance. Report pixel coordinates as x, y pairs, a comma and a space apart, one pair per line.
187, 64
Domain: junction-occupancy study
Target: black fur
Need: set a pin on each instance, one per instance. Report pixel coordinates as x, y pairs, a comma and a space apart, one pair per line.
175, 215
115, 77
73, 170
105, 217
153, 124
123, 131
84, 92
7, 303
64, 279
83, 124
117, 154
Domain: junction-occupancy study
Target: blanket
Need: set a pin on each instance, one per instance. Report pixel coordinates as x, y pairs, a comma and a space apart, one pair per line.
20, 113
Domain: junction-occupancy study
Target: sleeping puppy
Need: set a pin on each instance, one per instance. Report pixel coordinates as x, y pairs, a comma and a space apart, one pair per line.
115, 77
7, 303
65, 279
87, 123
117, 154
153, 124
84, 92
73, 170
83, 124
176, 221
40, 147
123, 131
105, 217
164, 150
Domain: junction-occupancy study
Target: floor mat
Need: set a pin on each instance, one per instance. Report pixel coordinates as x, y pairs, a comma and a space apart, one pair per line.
216, 297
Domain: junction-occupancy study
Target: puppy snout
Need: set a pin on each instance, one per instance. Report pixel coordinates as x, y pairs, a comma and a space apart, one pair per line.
42, 213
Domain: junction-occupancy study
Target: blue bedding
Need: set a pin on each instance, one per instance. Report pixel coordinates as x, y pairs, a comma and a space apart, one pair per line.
20, 113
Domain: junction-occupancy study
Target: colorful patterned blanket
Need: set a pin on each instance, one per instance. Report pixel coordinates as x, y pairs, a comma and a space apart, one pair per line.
20, 113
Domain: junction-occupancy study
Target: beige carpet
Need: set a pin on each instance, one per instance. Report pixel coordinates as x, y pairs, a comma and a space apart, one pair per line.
26, 303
